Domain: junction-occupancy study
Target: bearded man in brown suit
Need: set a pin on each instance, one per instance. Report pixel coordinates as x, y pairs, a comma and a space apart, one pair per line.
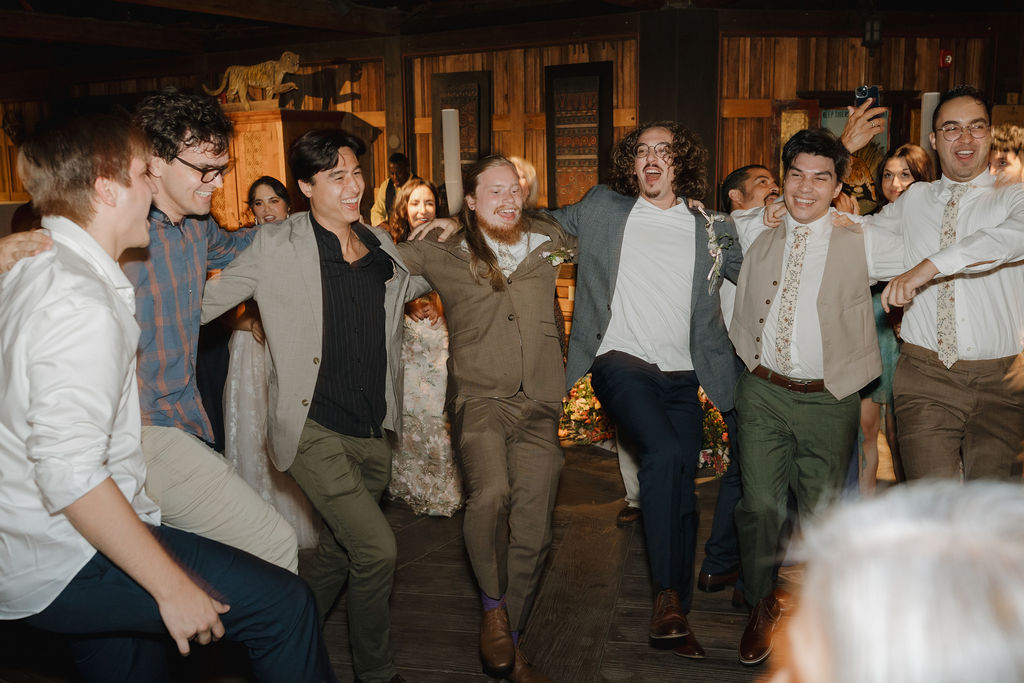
505, 385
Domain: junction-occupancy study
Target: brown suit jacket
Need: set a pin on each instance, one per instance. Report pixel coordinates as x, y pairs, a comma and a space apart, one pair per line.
498, 341
848, 338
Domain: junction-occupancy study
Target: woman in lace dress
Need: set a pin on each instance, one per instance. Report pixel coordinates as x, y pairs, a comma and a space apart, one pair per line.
424, 473
246, 403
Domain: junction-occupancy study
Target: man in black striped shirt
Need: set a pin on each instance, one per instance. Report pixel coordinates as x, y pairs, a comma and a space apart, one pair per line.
331, 293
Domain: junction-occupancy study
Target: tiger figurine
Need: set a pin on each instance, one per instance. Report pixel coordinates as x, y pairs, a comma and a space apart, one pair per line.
267, 75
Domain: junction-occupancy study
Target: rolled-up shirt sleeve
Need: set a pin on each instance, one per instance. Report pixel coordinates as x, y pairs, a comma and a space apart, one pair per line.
988, 247
73, 404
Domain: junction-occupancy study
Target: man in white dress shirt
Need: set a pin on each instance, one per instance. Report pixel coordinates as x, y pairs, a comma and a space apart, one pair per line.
82, 551
959, 384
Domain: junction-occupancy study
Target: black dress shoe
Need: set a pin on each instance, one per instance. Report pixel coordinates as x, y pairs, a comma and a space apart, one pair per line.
628, 515
712, 583
667, 620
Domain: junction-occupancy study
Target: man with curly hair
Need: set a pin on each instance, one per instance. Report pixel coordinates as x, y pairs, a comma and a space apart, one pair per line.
197, 489
648, 325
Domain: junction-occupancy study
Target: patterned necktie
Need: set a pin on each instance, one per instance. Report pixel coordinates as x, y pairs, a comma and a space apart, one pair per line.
787, 304
945, 311
506, 259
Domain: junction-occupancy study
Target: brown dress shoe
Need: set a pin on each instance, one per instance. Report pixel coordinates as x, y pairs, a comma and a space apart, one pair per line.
689, 647
756, 643
496, 648
524, 673
712, 583
628, 515
667, 620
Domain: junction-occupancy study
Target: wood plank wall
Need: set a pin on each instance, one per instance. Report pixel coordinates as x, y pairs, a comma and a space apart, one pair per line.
757, 73
518, 97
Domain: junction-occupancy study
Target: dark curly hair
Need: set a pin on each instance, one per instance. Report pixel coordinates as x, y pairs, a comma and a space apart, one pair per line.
317, 150
174, 120
689, 161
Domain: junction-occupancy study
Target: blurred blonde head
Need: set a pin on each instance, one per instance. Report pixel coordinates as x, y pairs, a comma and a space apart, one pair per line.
527, 180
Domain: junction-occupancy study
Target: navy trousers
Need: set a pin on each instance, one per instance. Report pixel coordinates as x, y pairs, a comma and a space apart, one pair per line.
661, 412
117, 633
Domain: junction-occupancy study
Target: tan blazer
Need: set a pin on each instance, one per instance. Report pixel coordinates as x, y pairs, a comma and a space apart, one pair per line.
281, 271
497, 340
848, 338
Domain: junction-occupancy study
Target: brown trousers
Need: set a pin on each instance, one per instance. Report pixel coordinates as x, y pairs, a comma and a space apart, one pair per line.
510, 458
966, 419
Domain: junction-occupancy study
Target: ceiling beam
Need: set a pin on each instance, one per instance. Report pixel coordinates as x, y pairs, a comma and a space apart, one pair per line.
320, 14
87, 31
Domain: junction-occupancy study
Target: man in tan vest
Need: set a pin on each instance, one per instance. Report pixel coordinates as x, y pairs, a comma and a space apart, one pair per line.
804, 328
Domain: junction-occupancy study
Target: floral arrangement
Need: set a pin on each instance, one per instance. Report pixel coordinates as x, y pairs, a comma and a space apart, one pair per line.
714, 454
583, 422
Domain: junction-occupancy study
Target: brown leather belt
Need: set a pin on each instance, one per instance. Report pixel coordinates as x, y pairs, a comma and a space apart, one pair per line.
807, 386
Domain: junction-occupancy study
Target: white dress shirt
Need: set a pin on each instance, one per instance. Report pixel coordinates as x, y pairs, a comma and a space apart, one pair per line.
989, 298
69, 412
651, 303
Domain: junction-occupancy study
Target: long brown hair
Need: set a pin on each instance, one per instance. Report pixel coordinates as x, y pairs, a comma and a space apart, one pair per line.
919, 163
482, 262
398, 223
689, 161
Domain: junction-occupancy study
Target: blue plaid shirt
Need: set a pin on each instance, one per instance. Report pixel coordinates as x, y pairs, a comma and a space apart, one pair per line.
169, 282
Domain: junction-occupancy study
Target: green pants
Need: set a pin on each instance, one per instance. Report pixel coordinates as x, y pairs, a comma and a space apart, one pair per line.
344, 477
790, 441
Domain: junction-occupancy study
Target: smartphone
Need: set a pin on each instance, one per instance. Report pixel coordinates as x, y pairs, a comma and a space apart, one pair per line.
862, 92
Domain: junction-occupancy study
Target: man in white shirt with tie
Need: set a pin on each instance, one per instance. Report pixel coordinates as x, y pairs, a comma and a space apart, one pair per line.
959, 384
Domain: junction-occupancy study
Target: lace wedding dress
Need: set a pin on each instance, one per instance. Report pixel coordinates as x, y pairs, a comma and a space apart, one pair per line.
424, 473
246, 406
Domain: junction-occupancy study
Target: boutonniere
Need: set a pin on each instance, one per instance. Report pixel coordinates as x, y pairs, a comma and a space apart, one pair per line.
558, 257
716, 245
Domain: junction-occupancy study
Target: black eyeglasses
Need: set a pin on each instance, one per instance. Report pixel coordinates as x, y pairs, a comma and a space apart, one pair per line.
208, 174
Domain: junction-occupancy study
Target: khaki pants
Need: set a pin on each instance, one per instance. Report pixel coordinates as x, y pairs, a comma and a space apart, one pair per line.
199, 491
968, 418
510, 459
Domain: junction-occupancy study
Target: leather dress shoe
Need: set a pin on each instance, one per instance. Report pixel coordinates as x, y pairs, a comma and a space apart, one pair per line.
628, 515
497, 651
667, 620
712, 583
689, 647
524, 673
756, 643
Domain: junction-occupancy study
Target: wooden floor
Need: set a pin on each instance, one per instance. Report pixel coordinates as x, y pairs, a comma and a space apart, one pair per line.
589, 622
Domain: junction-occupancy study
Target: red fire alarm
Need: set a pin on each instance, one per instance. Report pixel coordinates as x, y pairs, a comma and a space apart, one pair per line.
945, 59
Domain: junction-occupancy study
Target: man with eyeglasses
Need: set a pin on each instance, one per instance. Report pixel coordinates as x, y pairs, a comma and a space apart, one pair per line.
648, 326
197, 489
959, 384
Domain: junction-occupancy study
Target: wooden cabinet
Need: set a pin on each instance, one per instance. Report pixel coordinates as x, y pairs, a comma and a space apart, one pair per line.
260, 147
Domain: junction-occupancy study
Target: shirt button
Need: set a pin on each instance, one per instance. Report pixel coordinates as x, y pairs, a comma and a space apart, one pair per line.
316, 361
305, 402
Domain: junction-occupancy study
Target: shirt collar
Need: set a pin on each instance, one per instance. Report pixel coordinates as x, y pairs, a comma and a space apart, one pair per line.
75, 237
944, 186
819, 228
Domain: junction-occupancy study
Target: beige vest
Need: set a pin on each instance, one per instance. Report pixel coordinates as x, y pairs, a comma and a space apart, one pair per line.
848, 338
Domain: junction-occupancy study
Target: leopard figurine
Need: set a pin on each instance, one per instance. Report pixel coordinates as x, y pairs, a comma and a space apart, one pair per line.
267, 75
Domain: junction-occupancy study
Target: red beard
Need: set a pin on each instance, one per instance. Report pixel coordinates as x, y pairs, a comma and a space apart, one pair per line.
502, 233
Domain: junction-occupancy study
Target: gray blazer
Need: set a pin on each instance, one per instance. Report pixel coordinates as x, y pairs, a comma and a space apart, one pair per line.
281, 271
599, 221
